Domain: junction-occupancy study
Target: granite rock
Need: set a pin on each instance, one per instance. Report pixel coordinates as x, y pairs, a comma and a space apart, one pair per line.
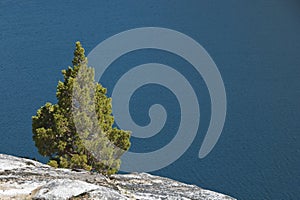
22, 178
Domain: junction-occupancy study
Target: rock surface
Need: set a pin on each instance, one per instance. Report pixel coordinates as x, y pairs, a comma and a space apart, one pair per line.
22, 178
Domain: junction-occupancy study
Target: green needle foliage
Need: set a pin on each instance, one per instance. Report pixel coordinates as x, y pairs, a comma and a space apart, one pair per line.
78, 132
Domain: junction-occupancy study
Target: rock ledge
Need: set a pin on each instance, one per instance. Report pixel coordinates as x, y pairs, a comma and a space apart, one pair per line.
22, 178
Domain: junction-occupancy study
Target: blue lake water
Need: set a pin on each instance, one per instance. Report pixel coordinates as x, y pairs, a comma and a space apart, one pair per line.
255, 44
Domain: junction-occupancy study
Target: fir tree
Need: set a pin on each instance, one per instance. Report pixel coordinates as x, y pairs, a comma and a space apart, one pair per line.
78, 131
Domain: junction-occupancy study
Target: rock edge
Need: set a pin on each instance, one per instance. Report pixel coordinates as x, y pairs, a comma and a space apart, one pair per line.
22, 178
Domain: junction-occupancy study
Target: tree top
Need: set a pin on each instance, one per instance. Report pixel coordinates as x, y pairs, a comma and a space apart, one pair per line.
79, 56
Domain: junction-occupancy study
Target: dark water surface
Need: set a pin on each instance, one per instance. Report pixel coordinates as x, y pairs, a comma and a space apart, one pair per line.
255, 44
